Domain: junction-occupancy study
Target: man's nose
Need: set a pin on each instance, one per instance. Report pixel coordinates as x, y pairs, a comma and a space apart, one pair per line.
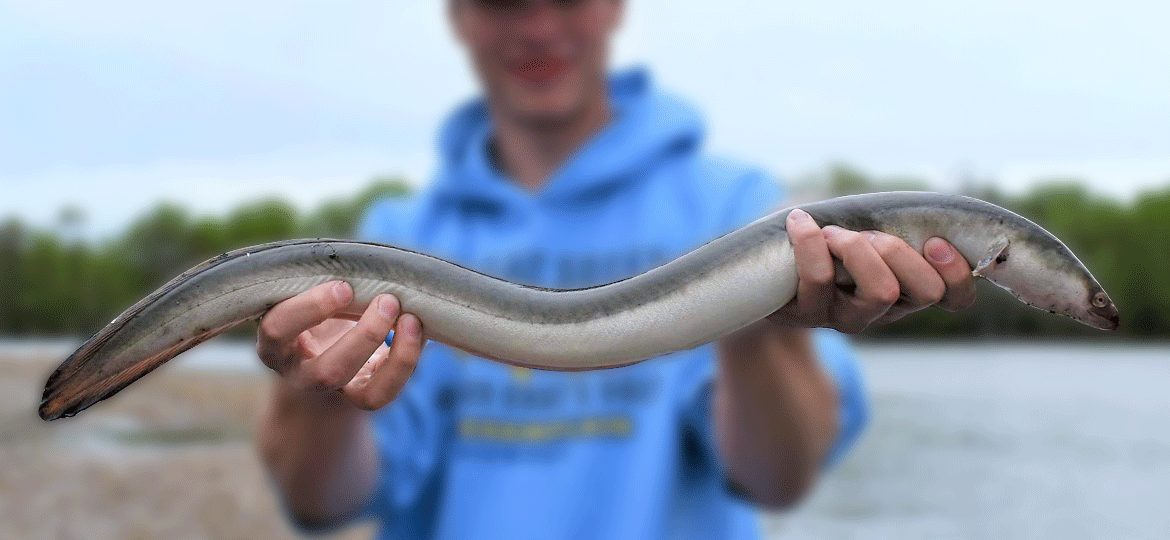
541, 19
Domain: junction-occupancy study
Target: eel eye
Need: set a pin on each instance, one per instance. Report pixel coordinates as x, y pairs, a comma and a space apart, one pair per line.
1100, 299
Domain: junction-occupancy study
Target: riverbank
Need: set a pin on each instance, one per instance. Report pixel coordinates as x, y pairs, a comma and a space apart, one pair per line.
171, 459
973, 440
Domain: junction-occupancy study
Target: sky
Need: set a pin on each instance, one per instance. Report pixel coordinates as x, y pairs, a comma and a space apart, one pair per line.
113, 105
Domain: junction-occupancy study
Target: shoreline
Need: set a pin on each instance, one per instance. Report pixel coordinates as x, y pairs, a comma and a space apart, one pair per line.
1013, 441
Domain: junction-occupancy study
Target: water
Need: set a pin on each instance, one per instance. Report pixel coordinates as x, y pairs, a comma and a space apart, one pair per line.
218, 354
1003, 442
966, 441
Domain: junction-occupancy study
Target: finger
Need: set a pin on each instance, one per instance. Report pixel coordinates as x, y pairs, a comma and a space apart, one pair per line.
877, 287
286, 320
814, 267
920, 284
315, 340
955, 272
367, 369
337, 365
381, 380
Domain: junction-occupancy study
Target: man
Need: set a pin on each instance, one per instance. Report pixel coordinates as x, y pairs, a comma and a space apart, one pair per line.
565, 177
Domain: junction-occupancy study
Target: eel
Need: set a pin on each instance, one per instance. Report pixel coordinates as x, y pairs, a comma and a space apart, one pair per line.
699, 297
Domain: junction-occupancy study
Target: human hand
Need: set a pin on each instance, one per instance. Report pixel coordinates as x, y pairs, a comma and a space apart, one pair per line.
312, 341
892, 278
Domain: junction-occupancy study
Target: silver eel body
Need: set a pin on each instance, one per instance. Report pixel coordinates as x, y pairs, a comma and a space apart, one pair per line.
708, 293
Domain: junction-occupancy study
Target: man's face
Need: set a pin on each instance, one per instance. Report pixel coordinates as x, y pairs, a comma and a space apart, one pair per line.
539, 60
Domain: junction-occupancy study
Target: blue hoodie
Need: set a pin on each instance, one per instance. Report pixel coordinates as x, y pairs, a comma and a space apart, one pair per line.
474, 449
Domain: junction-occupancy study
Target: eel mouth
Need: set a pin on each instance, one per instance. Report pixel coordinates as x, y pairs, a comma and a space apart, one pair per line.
1105, 318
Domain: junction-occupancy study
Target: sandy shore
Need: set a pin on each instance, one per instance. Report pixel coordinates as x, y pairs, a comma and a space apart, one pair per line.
966, 441
170, 458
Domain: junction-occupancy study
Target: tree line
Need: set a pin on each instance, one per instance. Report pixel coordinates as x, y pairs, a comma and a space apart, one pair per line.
1125, 245
52, 283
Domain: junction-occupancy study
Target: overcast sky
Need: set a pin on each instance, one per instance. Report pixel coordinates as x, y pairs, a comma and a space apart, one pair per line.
112, 105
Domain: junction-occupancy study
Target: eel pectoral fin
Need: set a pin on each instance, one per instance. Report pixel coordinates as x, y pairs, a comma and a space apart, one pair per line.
996, 254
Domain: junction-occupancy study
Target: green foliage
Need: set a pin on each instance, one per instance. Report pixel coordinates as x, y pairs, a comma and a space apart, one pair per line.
336, 219
50, 284
1127, 248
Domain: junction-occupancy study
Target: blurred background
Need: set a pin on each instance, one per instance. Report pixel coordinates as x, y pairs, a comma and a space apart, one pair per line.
139, 138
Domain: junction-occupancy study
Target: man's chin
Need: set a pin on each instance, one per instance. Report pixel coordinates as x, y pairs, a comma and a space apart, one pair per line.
548, 116
546, 109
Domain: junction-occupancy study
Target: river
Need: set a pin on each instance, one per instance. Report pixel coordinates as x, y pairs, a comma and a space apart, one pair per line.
980, 441
965, 441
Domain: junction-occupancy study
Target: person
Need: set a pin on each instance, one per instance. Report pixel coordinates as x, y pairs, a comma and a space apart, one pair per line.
563, 175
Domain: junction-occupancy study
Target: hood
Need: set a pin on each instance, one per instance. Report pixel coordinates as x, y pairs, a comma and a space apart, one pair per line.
647, 126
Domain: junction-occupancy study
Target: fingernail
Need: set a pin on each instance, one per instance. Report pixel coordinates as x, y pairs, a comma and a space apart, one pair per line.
341, 291
938, 250
799, 216
410, 325
831, 231
386, 307
870, 235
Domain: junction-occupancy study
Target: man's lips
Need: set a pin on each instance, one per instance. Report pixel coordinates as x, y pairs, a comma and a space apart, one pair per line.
539, 70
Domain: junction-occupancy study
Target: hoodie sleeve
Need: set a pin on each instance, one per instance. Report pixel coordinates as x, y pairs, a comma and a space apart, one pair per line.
385, 221
753, 195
